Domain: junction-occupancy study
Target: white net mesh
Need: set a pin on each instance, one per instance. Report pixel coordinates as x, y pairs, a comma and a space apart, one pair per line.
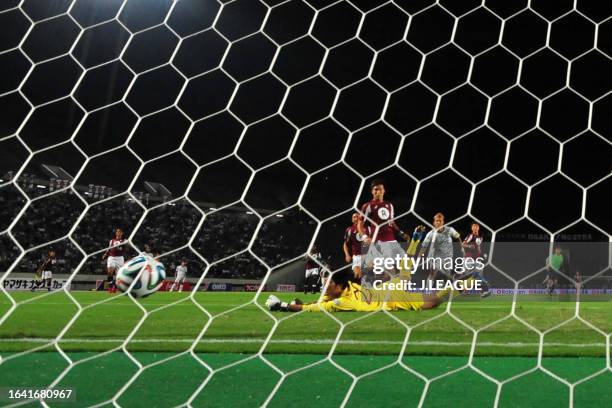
239, 94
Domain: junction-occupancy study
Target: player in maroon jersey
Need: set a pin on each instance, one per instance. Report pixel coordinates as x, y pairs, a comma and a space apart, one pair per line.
45, 272
115, 254
352, 246
472, 246
379, 214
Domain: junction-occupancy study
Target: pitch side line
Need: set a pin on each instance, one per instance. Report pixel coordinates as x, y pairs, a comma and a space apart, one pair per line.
301, 341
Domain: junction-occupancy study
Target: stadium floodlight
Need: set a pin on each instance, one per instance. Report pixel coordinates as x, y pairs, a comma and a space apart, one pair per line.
56, 172
157, 189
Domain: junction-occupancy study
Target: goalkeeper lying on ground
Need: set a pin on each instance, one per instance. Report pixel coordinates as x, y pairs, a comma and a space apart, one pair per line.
343, 295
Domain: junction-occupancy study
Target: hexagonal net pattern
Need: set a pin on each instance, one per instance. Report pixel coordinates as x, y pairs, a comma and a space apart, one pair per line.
287, 110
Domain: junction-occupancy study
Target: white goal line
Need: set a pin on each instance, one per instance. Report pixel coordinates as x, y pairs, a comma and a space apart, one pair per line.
301, 341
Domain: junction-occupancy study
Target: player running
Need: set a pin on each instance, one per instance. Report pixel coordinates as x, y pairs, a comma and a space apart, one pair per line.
352, 246
438, 244
311, 277
45, 272
115, 260
179, 279
344, 295
379, 216
472, 245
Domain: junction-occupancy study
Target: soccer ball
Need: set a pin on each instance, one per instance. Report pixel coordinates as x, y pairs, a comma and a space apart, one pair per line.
150, 280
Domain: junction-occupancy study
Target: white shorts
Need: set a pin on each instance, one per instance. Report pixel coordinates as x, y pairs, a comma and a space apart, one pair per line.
46, 275
388, 249
356, 261
180, 277
114, 262
312, 271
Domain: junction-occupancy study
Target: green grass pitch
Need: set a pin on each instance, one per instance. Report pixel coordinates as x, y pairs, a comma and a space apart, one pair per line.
356, 359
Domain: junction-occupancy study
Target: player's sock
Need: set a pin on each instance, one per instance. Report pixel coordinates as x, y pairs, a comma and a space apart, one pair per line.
181, 287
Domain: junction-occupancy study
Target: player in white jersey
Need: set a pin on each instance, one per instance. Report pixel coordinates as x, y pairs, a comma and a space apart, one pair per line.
148, 251
311, 276
179, 279
438, 244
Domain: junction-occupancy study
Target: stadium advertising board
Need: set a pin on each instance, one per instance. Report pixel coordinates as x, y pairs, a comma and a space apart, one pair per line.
285, 288
540, 291
251, 287
16, 284
217, 287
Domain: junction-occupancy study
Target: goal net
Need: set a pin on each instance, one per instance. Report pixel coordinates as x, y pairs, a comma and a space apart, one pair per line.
232, 138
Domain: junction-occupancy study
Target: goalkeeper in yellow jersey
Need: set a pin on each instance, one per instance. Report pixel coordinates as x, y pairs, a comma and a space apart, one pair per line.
343, 295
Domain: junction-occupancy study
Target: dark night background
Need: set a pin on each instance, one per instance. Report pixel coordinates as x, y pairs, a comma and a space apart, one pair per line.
498, 113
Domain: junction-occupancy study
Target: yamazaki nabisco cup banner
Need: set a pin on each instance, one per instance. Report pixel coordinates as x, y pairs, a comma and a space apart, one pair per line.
28, 284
